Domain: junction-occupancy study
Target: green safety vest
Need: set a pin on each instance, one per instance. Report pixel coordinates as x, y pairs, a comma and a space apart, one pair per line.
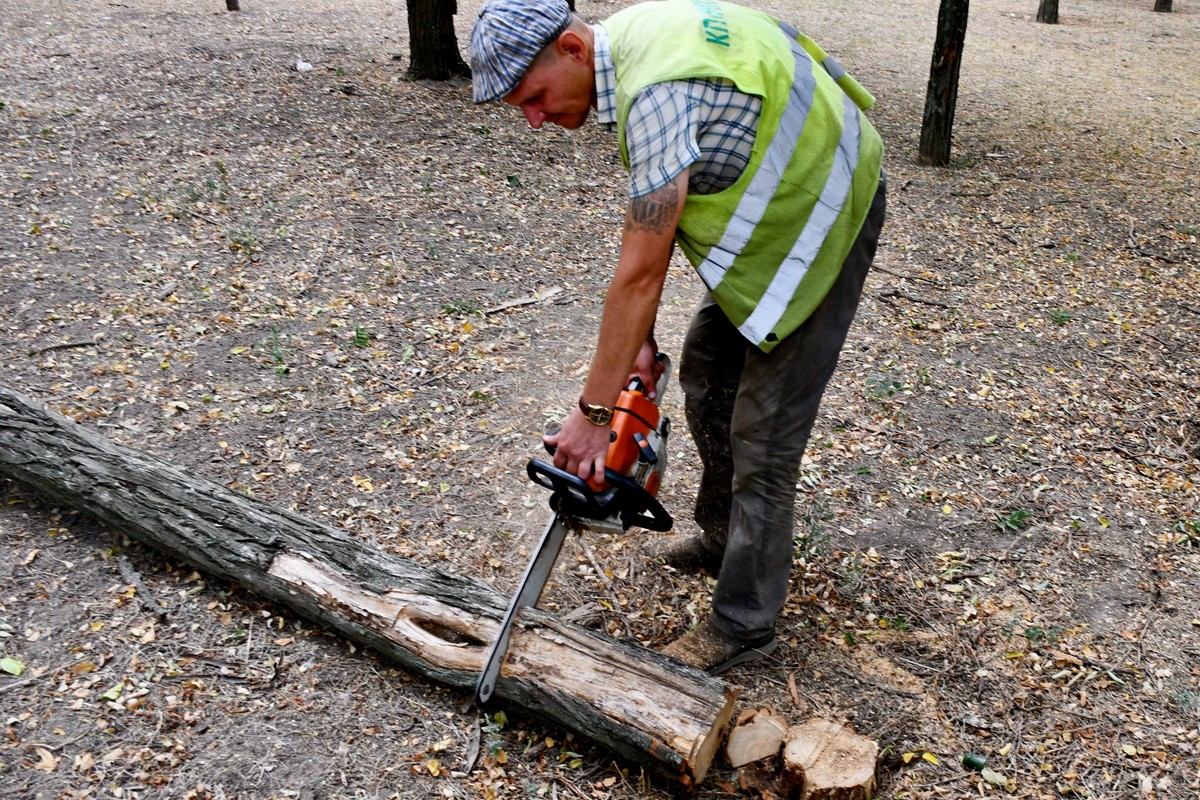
770, 246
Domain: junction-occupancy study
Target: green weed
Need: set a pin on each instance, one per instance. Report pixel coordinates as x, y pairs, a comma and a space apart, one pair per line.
813, 534
461, 308
1187, 532
882, 386
1018, 520
275, 349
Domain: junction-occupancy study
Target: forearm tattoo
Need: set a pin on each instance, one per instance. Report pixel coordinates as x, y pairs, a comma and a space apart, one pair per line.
653, 212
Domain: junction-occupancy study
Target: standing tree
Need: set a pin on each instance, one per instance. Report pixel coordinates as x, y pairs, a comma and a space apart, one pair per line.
435, 52
942, 94
1048, 12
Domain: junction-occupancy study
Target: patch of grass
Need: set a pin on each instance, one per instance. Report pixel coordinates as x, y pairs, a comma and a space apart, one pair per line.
813, 534
1017, 520
241, 239
461, 308
1038, 635
852, 571
209, 188
1187, 532
882, 386
1060, 316
275, 349
362, 337
1033, 634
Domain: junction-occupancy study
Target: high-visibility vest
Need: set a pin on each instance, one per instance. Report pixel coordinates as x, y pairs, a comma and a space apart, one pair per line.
770, 246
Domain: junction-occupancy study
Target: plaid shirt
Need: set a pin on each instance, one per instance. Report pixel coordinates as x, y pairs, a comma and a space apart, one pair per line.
707, 125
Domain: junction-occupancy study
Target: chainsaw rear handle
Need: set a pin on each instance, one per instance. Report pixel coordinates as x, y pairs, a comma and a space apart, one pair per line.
573, 497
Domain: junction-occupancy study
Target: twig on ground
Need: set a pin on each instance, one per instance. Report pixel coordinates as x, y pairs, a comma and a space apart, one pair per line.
37, 351
133, 578
886, 271
905, 296
537, 297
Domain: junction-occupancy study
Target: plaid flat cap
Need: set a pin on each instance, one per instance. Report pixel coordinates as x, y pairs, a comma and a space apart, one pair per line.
507, 36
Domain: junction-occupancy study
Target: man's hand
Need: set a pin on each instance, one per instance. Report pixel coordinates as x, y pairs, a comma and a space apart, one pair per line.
648, 367
580, 446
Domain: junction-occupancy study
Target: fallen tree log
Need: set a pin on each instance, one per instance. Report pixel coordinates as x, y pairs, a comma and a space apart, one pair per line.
645, 707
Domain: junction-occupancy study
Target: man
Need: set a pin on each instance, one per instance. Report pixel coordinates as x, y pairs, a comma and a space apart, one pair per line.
745, 147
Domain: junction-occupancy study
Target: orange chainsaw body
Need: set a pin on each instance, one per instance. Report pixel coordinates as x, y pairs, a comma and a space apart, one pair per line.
634, 428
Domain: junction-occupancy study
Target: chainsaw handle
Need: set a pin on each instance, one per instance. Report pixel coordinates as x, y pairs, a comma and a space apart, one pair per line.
637, 506
573, 496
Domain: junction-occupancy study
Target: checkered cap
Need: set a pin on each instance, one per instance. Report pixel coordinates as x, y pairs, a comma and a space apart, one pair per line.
508, 35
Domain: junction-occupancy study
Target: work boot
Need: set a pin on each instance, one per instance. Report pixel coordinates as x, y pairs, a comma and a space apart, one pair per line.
687, 553
712, 651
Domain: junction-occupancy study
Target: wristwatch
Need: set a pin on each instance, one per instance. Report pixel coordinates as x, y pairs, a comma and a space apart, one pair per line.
597, 415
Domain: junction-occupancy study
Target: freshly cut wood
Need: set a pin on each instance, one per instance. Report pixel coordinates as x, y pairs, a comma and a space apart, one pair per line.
645, 707
825, 760
757, 734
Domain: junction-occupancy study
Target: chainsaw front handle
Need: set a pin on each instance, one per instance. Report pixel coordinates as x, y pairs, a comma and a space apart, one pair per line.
624, 499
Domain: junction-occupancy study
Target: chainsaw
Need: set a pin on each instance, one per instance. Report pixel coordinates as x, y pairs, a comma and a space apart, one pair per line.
626, 498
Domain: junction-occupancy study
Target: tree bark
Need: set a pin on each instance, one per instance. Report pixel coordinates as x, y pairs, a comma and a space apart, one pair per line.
645, 707
232, 5
1048, 12
1162, 5
434, 53
942, 94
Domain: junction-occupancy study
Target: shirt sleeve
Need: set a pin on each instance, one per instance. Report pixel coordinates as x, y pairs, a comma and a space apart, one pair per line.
661, 137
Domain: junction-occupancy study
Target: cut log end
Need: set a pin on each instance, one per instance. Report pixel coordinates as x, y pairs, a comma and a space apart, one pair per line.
824, 760
757, 734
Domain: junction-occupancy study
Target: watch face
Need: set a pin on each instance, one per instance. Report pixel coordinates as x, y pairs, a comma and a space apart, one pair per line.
599, 415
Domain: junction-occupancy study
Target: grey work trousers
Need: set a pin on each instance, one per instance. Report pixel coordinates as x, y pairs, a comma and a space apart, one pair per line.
750, 414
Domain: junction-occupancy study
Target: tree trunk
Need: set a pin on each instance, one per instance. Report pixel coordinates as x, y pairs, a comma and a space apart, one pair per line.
1162, 5
232, 5
651, 710
942, 94
1048, 12
434, 45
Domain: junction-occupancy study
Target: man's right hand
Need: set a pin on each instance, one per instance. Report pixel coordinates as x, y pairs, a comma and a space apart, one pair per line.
580, 446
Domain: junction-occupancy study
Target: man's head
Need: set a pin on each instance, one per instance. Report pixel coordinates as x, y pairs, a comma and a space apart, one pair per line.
537, 55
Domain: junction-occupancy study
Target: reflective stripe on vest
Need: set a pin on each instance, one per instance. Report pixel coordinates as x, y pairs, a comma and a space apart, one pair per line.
763, 187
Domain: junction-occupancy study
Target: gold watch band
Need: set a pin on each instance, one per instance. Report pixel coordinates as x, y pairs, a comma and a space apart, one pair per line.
597, 415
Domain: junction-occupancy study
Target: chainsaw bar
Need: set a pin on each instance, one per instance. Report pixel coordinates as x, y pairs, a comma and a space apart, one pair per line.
623, 499
532, 584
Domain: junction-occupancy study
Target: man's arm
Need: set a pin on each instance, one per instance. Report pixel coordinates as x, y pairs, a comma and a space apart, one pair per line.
630, 309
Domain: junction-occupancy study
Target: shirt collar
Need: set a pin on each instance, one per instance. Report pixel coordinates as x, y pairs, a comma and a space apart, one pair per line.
606, 80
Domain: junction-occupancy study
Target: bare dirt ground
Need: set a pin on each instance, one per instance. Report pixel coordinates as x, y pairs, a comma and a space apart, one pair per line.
302, 284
